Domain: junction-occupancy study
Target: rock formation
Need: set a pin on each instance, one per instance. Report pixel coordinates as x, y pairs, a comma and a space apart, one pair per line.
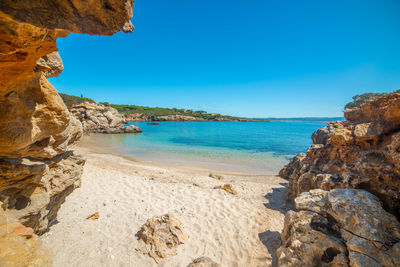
97, 118
360, 152
356, 163
343, 227
161, 235
37, 168
19, 246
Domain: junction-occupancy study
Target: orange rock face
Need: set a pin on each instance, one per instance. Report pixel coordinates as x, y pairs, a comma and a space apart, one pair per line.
37, 168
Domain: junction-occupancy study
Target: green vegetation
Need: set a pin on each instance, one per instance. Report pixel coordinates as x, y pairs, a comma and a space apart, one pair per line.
157, 111
70, 100
358, 100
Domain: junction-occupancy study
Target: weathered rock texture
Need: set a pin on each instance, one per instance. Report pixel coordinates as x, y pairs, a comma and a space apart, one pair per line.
353, 220
101, 119
161, 236
19, 246
361, 152
37, 169
343, 227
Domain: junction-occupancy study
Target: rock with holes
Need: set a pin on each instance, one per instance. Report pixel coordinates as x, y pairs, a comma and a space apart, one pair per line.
361, 152
161, 235
309, 239
341, 227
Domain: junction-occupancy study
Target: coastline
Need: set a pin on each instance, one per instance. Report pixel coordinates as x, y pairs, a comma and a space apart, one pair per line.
218, 161
241, 230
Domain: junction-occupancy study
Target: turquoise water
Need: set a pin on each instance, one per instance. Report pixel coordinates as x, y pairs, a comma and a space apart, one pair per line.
251, 147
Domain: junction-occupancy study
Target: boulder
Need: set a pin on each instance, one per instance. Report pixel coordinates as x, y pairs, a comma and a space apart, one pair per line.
161, 235
132, 129
342, 227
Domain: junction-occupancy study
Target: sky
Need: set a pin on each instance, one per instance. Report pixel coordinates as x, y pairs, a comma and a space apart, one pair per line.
253, 58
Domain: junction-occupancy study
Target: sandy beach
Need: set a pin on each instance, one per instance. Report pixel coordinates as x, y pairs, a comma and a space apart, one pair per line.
232, 230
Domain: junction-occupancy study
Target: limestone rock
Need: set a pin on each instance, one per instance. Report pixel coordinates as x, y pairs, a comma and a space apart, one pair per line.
51, 65
103, 17
361, 152
203, 262
310, 240
161, 236
96, 118
132, 129
34, 189
19, 246
37, 169
364, 234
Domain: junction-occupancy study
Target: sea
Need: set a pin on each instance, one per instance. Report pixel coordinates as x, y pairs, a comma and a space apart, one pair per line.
239, 147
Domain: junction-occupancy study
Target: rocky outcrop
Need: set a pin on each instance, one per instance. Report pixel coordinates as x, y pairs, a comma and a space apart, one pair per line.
19, 246
347, 192
37, 168
161, 235
50, 65
97, 118
361, 152
343, 227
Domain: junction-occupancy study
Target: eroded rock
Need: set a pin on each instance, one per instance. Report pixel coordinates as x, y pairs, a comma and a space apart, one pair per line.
364, 234
96, 118
19, 246
161, 236
361, 152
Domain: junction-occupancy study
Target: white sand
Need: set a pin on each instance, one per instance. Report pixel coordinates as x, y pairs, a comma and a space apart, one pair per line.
232, 230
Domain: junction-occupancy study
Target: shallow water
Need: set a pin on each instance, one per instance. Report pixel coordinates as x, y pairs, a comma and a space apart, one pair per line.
250, 147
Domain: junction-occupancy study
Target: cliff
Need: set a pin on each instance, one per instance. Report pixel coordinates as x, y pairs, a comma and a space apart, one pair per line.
97, 118
37, 168
360, 156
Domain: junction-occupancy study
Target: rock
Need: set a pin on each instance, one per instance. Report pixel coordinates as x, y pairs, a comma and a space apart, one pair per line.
37, 168
19, 246
161, 235
314, 200
351, 217
228, 188
94, 216
35, 189
102, 17
361, 152
97, 118
321, 135
51, 65
310, 240
132, 129
203, 262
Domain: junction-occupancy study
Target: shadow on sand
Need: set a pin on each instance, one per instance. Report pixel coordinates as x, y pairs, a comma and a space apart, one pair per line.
272, 240
276, 201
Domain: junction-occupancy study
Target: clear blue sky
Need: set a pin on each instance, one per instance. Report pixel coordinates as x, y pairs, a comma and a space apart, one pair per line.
256, 58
